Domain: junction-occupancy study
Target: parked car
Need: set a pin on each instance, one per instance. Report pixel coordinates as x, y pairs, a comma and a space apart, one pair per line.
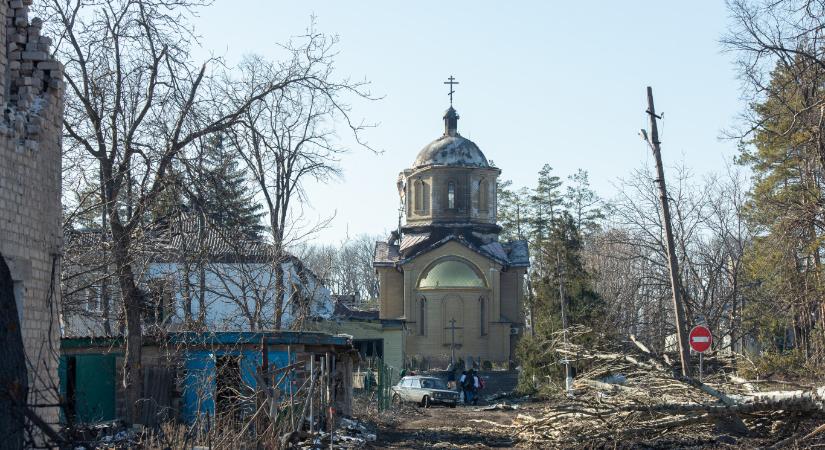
425, 391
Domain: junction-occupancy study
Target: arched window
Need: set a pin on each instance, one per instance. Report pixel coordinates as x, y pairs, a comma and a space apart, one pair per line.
483, 196
422, 317
451, 195
419, 196
451, 273
483, 316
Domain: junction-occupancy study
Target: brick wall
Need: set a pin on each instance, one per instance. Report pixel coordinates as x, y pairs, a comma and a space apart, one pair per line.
31, 88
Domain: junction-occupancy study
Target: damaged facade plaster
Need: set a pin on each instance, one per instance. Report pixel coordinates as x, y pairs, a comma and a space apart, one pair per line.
30, 185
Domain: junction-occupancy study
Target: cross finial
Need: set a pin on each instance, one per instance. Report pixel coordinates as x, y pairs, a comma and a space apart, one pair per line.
451, 81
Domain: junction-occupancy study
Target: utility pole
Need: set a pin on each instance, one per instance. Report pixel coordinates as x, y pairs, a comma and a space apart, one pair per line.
568, 377
673, 263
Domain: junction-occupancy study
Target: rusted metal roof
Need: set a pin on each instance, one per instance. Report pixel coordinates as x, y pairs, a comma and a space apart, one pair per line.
410, 240
385, 255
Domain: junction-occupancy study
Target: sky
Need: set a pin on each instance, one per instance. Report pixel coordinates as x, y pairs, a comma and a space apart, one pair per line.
544, 82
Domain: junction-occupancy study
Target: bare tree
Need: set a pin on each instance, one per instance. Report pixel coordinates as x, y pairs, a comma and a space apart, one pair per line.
628, 260
781, 58
134, 102
289, 138
346, 268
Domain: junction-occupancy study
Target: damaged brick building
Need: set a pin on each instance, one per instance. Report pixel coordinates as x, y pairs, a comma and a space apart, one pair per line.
30, 186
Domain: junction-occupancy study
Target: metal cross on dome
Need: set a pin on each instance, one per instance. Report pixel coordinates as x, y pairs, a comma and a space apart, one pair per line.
451, 81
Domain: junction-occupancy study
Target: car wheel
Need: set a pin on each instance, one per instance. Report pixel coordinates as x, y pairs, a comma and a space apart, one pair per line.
451, 405
425, 402
396, 399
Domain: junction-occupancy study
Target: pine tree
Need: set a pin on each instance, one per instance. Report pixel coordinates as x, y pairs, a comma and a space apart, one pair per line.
583, 203
546, 202
513, 211
222, 193
786, 156
560, 255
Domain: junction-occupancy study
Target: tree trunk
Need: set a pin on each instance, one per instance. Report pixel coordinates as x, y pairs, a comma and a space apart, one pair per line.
133, 305
105, 303
104, 287
14, 383
202, 254
187, 295
280, 291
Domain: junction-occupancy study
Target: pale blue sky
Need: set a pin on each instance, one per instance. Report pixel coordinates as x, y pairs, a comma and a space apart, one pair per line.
541, 82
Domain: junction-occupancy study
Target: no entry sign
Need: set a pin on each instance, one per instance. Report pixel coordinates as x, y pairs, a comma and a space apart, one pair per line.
700, 338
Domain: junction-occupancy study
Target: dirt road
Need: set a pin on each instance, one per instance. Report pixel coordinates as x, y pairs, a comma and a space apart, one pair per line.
437, 427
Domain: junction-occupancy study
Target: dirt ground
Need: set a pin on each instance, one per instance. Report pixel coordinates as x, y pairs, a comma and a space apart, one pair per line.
411, 427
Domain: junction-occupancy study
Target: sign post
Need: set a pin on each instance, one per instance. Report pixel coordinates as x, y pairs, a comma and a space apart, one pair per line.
700, 340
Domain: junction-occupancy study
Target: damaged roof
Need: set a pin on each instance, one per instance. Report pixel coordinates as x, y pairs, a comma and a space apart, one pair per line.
385, 254
508, 254
451, 151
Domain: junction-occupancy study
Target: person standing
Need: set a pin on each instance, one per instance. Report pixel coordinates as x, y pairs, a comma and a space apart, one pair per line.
461, 381
469, 385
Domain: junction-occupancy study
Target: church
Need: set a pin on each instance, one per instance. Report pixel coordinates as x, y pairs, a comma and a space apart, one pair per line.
444, 274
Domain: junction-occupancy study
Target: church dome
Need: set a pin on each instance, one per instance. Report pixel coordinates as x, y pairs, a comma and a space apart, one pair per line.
451, 149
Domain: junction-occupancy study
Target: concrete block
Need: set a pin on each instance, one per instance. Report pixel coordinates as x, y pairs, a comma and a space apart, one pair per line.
35, 56
48, 65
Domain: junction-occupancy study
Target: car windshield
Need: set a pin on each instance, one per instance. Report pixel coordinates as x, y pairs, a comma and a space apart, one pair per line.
433, 383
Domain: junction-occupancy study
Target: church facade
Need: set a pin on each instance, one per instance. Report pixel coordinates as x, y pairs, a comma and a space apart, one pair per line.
458, 289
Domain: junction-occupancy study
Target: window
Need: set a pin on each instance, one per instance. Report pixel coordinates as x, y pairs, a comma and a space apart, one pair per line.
451, 195
160, 302
451, 273
369, 348
422, 317
92, 300
419, 196
483, 197
483, 316
433, 383
415, 383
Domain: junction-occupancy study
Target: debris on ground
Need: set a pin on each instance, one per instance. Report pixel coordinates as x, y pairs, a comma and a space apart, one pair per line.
497, 407
350, 434
512, 397
110, 434
629, 393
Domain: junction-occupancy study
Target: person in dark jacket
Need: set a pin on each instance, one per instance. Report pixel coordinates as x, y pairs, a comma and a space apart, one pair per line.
469, 385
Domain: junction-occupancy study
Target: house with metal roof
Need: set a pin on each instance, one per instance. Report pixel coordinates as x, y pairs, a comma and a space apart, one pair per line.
194, 276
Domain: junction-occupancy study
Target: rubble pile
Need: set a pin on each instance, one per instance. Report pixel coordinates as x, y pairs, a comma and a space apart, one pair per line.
350, 434
631, 394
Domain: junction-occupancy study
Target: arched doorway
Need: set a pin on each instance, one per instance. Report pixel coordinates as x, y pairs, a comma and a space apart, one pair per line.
12, 362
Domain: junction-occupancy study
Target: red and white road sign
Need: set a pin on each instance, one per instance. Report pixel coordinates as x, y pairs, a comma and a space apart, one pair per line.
700, 338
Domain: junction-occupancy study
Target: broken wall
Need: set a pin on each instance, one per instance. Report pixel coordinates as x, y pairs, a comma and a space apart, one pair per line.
31, 92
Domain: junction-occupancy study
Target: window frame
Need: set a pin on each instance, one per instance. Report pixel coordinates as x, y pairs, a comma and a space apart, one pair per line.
451, 195
418, 196
422, 316
475, 269
482, 304
483, 195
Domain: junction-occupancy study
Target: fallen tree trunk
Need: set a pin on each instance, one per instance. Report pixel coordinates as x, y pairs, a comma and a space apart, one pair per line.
628, 391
